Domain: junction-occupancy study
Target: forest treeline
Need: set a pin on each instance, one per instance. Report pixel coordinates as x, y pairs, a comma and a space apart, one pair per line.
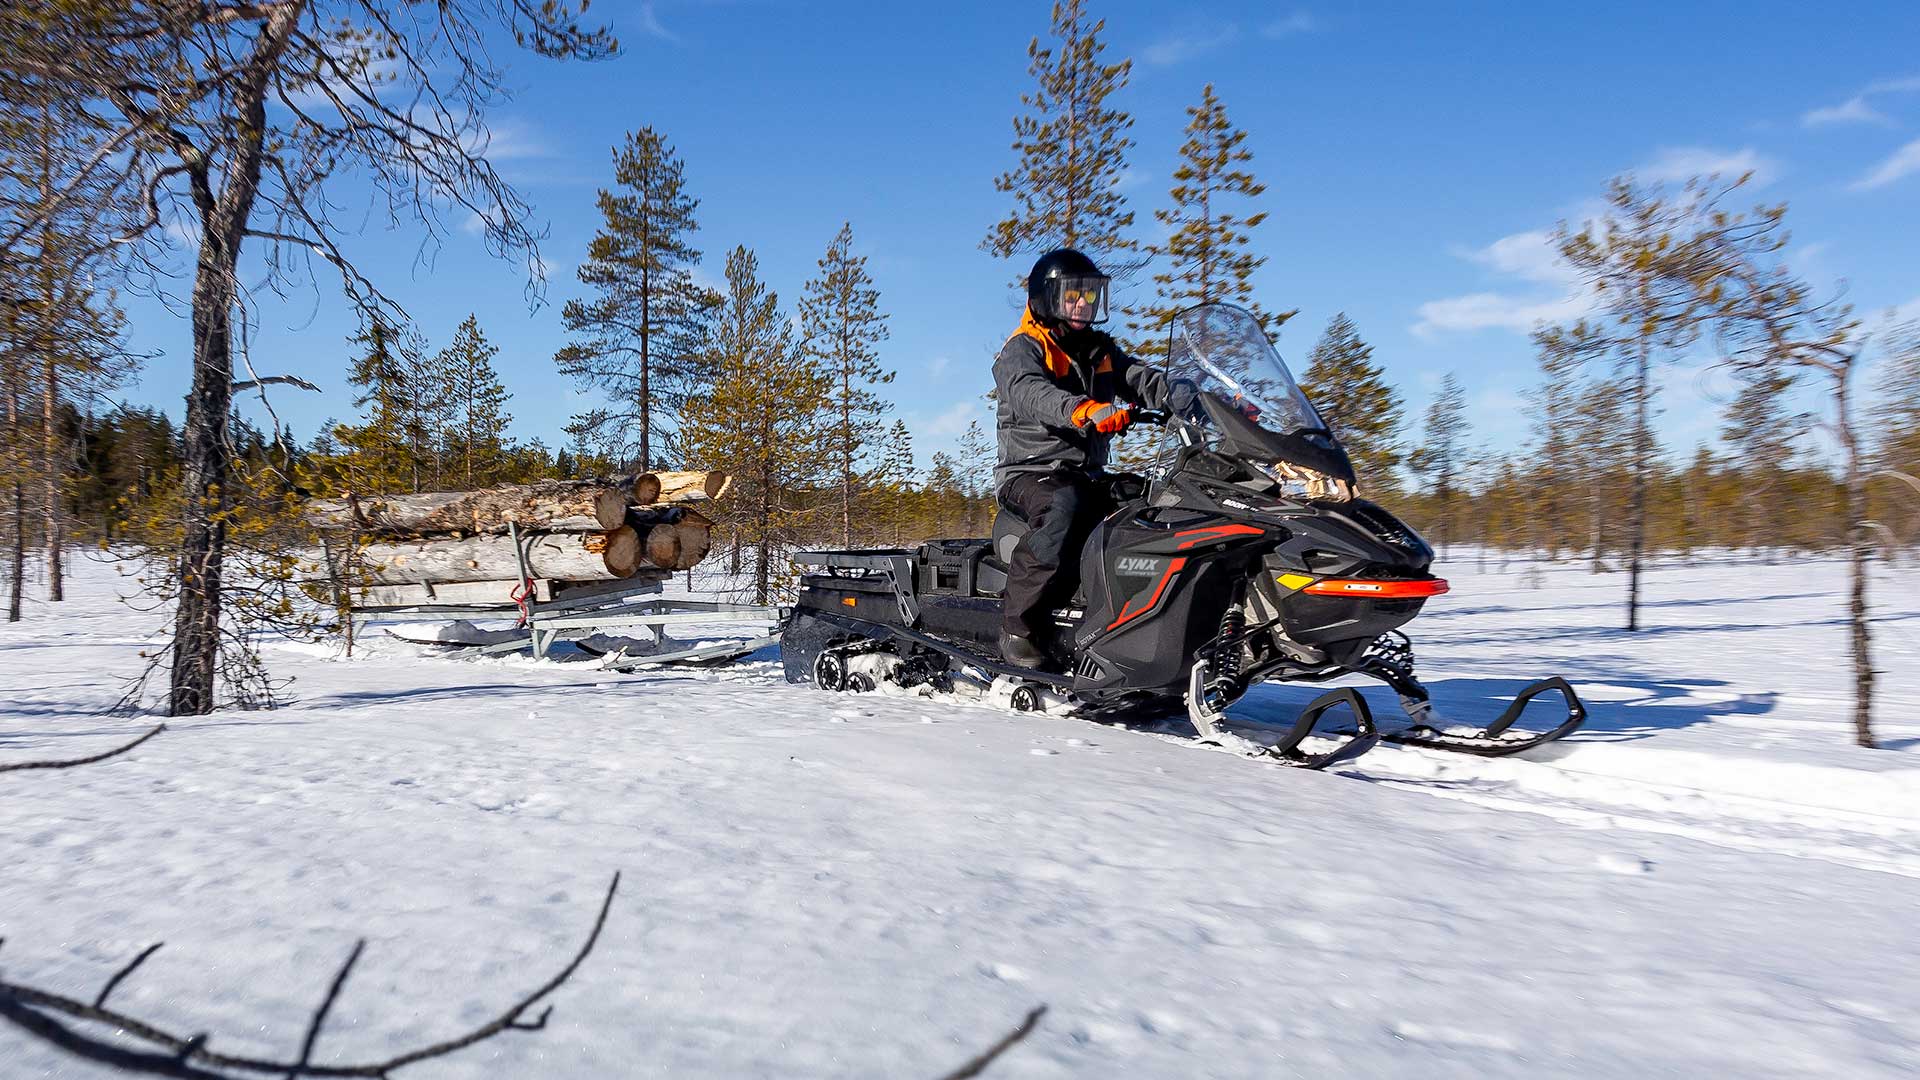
786, 388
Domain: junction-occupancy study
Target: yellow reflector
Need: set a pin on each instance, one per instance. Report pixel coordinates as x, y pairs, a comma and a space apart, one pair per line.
848, 600
1294, 582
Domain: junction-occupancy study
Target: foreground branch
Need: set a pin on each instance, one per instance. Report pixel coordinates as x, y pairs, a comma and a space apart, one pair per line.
28, 1008
85, 760
979, 1064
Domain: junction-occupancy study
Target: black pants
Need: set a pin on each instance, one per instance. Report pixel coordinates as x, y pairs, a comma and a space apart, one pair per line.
1061, 508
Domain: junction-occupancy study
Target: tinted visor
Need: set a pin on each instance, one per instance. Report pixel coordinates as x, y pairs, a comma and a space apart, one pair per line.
1077, 299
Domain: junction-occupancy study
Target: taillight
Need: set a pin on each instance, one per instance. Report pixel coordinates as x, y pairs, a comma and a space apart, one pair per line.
1383, 590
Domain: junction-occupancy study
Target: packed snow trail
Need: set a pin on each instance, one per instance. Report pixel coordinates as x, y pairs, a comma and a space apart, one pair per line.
1706, 881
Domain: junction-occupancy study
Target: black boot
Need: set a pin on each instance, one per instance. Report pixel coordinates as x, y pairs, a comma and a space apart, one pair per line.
1021, 651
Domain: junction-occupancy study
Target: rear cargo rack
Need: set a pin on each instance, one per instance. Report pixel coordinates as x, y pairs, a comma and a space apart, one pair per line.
896, 563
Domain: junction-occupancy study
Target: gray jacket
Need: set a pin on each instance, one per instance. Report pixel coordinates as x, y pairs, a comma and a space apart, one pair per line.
1035, 424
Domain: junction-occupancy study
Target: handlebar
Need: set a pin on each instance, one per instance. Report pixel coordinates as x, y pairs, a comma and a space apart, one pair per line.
1150, 416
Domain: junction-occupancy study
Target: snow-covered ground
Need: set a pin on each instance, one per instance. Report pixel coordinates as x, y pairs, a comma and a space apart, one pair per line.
1709, 880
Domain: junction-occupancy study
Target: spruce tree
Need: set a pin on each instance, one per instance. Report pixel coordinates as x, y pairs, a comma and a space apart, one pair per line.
759, 418
1207, 246
1443, 454
1351, 394
1072, 145
379, 452
479, 454
841, 326
641, 333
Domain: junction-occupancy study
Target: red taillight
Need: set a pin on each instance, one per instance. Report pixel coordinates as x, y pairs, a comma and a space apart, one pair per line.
1381, 590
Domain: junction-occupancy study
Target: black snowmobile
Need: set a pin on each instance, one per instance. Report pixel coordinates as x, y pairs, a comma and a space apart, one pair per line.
1246, 558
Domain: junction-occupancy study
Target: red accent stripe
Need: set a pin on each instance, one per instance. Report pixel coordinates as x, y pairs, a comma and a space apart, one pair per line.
1378, 590
1216, 532
1173, 568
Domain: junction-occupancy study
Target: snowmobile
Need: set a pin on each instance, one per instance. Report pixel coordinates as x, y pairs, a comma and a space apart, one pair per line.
1246, 558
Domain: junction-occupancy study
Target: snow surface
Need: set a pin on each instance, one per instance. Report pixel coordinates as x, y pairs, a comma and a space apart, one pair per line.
1709, 880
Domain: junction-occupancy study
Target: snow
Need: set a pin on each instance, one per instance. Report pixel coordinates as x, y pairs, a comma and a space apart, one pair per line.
1708, 880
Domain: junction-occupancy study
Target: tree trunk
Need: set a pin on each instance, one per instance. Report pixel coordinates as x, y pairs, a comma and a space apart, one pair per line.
50, 384
1855, 508
558, 556
18, 577
555, 506
1637, 510
204, 466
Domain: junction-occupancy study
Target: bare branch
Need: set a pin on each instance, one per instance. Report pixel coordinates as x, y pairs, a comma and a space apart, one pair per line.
101, 1001
27, 1007
275, 380
979, 1064
85, 760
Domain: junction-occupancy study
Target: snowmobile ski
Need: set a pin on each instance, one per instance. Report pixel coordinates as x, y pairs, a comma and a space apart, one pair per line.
1498, 738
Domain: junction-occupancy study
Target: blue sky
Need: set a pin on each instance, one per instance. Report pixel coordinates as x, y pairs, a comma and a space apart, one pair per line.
1414, 156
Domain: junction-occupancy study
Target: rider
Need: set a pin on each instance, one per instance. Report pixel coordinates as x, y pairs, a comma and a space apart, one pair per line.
1058, 379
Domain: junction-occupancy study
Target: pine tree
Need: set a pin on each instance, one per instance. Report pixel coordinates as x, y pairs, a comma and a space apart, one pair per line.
1443, 455
1072, 146
1759, 433
759, 419
1351, 394
1564, 353
841, 326
1207, 245
643, 331
1641, 259
477, 439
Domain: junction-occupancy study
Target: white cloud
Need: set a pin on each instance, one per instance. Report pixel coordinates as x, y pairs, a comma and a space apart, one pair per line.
1904, 162
1178, 50
510, 140
939, 365
1904, 85
1529, 256
1682, 163
951, 422
1854, 110
1495, 311
1300, 22
1906, 312
650, 24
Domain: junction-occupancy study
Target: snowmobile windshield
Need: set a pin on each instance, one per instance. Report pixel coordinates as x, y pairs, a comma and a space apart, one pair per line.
1224, 351
1247, 404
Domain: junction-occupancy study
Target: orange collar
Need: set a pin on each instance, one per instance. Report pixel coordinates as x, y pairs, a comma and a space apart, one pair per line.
1057, 362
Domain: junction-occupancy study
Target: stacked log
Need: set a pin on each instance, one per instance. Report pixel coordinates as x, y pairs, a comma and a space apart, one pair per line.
570, 531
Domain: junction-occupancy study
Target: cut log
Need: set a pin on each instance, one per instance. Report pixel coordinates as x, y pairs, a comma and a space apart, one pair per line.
563, 556
692, 486
696, 540
553, 505
663, 546
643, 488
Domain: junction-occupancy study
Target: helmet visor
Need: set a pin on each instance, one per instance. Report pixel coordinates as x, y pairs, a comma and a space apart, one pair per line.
1078, 299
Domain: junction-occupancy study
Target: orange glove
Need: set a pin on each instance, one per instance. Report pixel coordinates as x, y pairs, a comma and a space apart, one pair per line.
1104, 417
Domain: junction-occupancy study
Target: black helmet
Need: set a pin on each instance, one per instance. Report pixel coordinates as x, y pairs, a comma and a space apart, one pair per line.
1063, 278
